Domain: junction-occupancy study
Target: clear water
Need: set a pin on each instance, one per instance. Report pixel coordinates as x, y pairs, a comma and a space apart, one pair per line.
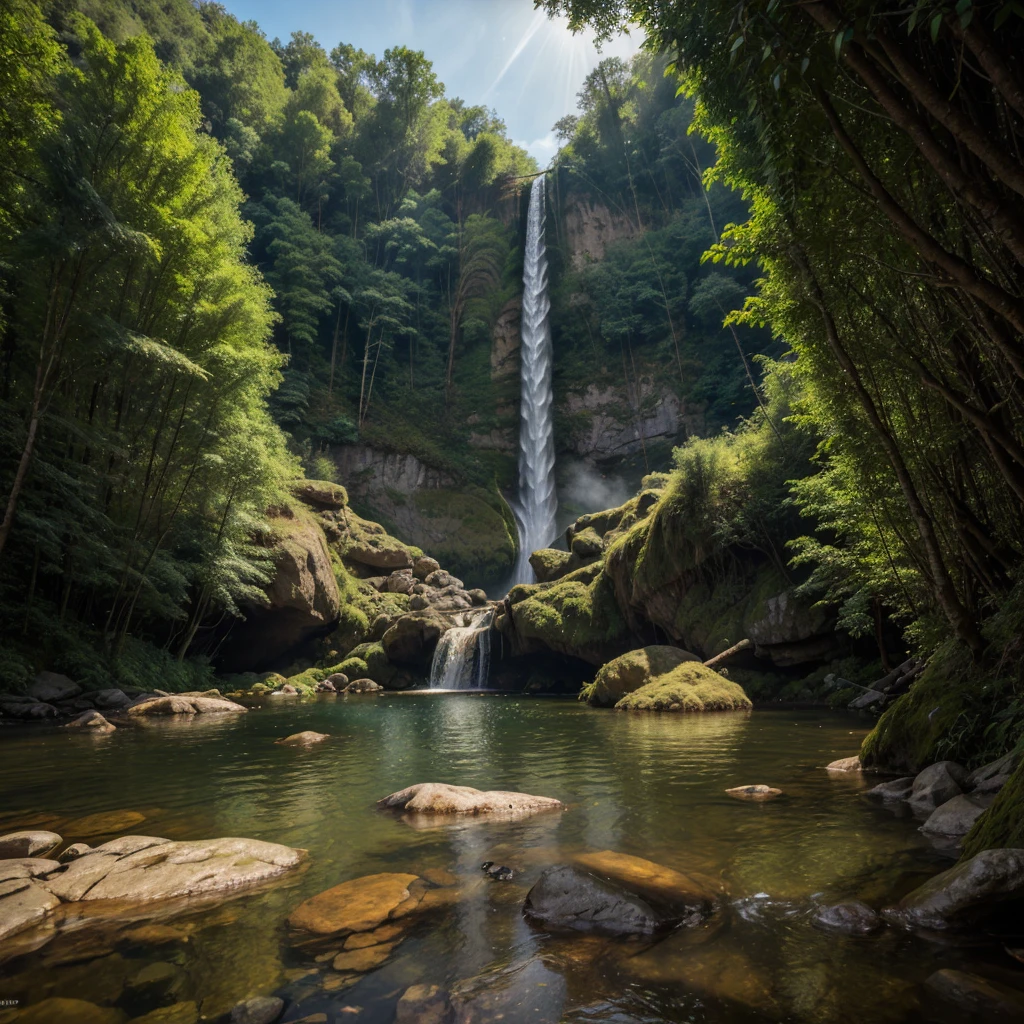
650, 785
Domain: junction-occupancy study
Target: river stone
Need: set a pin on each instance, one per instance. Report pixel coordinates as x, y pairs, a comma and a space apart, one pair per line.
963, 894
57, 1010
845, 764
157, 982
26, 867
980, 997
104, 824
304, 739
179, 704
442, 799
385, 933
957, 816
260, 1010
339, 679
422, 1004
363, 686
852, 918
51, 686
28, 844
73, 852
23, 903
758, 793
91, 721
27, 711
360, 961
897, 789
424, 565
359, 905
440, 578
937, 784
630, 671
109, 699
477, 596
1001, 768
693, 896
566, 898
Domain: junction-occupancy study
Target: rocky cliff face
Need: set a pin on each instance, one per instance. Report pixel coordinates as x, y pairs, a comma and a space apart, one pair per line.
590, 227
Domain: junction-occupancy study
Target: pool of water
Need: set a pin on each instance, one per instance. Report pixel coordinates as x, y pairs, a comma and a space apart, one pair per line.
648, 785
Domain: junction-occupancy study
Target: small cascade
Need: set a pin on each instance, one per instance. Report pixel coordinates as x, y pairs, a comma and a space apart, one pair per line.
462, 658
535, 515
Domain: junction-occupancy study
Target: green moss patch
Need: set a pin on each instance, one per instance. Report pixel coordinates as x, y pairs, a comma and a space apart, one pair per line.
1002, 825
472, 535
688, 687
632, 670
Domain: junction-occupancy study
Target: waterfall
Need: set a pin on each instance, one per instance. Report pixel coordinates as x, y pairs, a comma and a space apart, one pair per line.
462, 658
535, 514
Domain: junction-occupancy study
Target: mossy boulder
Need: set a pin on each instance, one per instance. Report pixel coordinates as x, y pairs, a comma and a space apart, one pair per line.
549, 564
465, 530
378, 666
320, 494
587, 543
1002, 825
412, 639
354, 668
368, 545
690, 686
632, 670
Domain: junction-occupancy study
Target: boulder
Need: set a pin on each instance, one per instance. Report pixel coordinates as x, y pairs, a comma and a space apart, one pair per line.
27, 710
51, 686
981, 998
109, 699
550, 564
1002, 769
73, 852
401, 581
845, 764
423, 1004
963, 895
92, 721
851, 918
180, 704
23, 903
325, 686
418, 603
154, 869
566, 898
363, 686
937, 784
757, 793
898, 789
477, 596
439, 578
359, 905
286, 690
320, 494
436, 798
423, 566
586, 543
26, 867
304, 739
368, 544
338, 679
28, 844
956, 817
689, 687
412, 639
630, 671
259, 1010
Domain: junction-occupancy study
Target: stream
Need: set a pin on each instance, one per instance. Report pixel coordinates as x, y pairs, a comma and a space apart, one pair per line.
649, 785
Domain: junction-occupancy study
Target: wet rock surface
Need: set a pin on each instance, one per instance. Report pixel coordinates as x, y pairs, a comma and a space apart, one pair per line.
359, 905
851, 918
937, 784
28, 844
440, 799
757, 793
981, 997
304, 739
957, 816
186, 704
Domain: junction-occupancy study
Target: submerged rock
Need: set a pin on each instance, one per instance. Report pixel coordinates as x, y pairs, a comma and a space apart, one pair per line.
851, 918
845, 764
630, 671
23, 903
898, 789
359, 905
757, 792
259, 1010
92, 721
28, 844
182, 704
963, 895
363, 686
566, 898
423, 1004
106, 823
937, 784
437, 798
987, 1000
304, 739
80, 1011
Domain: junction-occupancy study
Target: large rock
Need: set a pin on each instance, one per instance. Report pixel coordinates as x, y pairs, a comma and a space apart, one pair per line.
963, 895
51, 686
690, 686
852, 918
23, 903
424, 565
28, 844
109, 699
258, 1010
153, 869
956, 817
320, 494
896, 790
368, 544
27, 710
91, 721
566, 898
980, 997
304, 739
550, 564
632, 670
937, 784
412, 639
359, 905
436, 798
26, 867
181, 704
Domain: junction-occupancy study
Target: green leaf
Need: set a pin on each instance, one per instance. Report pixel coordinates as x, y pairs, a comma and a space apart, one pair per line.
936, 24
737, 43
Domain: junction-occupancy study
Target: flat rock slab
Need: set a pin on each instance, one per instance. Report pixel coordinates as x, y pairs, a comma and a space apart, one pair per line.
756, 793
26, 867
566, 898
106, 823
28, 844
359, 905
436, 798
23, 903
964, 894
303, 739
183, 704
693, 896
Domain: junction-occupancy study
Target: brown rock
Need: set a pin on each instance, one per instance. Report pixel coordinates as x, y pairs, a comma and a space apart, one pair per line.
423, 566
422, 1004
178, 1013
845, 764
93, 721
359, 905
26, 867
104, 824
28, 844
359, 961
180, 704
363, 686
983, 999
23, 903
412, 639
437, 798
362, 940
304, 739
59, 1010
757, 792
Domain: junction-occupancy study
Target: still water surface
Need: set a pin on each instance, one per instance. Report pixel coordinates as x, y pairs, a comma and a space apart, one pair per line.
649, 785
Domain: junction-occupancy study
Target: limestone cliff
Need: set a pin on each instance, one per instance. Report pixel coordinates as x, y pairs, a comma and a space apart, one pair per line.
590, 227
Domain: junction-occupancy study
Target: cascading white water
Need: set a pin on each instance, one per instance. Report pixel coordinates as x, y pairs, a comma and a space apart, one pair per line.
535, 514
462, 658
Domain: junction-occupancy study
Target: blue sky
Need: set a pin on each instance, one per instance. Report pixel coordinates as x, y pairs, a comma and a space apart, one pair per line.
501, 53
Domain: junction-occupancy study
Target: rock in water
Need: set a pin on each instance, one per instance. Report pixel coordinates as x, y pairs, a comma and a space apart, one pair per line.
260, 1010
422, 1004
359, 905
852, 918
91, 721
845, 764
632, 670
984, 999
758, 793
937, 784
898, 789
57, 1010
956, 817
28, 844
689, 687
566, 898
363, 686
51, 686
23, 903
441, 799
964, 894
182, 704
304, 739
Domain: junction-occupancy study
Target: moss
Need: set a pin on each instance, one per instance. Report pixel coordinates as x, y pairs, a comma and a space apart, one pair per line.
354, 668
688, 687
632, 670
549, 564
1002, 825
378, 668
472, 533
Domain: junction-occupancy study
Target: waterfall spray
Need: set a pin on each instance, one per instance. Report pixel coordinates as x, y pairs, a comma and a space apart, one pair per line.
535, 514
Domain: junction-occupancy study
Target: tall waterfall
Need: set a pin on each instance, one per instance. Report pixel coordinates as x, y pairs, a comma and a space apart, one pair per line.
462, 658
535, 514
